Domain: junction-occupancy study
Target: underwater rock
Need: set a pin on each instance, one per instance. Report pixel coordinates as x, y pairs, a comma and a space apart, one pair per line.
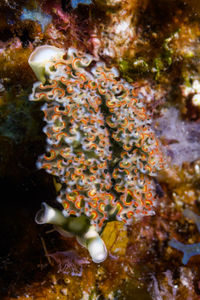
37, 16
181, 138
118, 30
165, 287
188, 250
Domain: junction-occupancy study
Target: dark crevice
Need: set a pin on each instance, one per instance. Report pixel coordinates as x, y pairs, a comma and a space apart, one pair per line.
25, 39
5, 35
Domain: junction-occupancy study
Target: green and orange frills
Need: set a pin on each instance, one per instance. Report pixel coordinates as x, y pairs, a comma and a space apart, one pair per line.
79, 139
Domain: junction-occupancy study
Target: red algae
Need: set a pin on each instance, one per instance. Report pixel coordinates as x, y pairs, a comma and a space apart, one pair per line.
69, 262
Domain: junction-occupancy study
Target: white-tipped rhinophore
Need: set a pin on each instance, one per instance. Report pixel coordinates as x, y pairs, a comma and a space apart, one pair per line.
40, 58
53, 216
85, 233
67, 226
95, 245
50, 215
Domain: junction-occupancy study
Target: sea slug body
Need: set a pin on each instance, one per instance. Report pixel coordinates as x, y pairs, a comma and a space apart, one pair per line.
89, 111
100, 145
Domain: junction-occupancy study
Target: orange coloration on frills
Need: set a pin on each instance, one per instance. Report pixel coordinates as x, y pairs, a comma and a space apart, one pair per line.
79, 138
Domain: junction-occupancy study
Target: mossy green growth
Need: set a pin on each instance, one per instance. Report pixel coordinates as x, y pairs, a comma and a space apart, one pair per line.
187, 78
164, 59
130, 69
141, 67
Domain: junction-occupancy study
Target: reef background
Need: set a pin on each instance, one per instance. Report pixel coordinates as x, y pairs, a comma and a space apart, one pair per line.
155, 44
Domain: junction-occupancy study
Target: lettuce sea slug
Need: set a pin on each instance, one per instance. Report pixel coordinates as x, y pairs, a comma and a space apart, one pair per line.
100, 145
